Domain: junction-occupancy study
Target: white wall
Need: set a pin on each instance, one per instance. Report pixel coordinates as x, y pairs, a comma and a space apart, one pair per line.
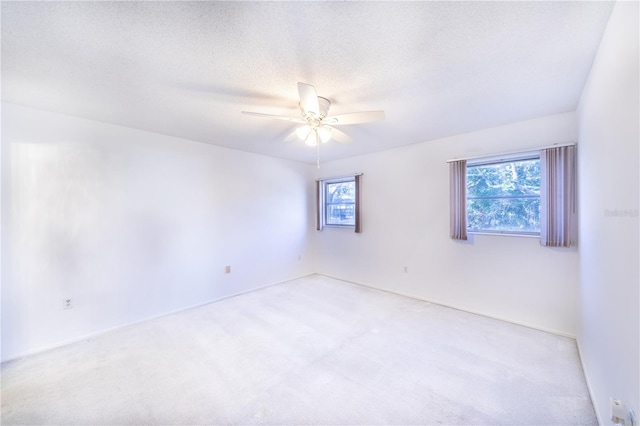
132, 224
609, 251
405, 221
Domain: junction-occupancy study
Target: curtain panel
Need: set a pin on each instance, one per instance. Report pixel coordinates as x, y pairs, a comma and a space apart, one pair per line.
557, 196
319, 205
358, 227
458, 200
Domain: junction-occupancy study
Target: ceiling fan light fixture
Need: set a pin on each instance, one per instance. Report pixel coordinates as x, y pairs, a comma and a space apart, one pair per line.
303, 132
324, 133
312, 139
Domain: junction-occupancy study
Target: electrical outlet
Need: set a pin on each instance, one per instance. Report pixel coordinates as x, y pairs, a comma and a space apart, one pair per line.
67, 303
406, 269
620, 415
227, 269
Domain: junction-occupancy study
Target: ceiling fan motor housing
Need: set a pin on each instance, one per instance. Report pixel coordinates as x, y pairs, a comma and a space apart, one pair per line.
323, 108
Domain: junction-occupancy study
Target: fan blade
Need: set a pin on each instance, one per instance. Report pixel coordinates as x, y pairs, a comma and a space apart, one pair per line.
340, 136
279, 117
355, 118
308, 98
292, 137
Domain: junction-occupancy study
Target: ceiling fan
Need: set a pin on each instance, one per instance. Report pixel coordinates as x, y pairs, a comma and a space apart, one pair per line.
317, 126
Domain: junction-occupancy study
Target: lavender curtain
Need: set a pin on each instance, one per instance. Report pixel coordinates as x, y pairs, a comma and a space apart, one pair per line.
458, 200
358, 228
557, 196
318, 206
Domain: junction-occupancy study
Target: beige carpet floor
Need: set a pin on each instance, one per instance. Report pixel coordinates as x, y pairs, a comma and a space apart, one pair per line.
310, 351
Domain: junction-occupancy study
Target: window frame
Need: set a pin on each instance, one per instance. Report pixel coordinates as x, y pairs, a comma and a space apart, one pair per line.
495, 160
324, 205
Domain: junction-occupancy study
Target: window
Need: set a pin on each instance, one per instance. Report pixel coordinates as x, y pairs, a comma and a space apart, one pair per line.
530, 193
338, 203
339, 196
504, 196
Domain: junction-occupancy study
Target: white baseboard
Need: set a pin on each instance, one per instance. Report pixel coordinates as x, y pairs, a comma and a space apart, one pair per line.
586, 378
458, 308
107, 330
128, 324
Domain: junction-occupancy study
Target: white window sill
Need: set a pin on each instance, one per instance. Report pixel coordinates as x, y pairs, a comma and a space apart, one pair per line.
504, 234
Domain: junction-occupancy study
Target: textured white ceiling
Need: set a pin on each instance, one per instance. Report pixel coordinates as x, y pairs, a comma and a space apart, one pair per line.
187, 69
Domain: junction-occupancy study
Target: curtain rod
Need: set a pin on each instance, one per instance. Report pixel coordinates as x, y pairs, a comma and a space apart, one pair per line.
522, 151
346, 175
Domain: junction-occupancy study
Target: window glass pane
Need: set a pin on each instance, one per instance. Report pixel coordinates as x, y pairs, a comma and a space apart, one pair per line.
504, 214
504, 179
341, 214
339, 198
340, 192
504, 196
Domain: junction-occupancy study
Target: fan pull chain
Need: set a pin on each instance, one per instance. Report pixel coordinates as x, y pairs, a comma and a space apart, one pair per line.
317, 151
